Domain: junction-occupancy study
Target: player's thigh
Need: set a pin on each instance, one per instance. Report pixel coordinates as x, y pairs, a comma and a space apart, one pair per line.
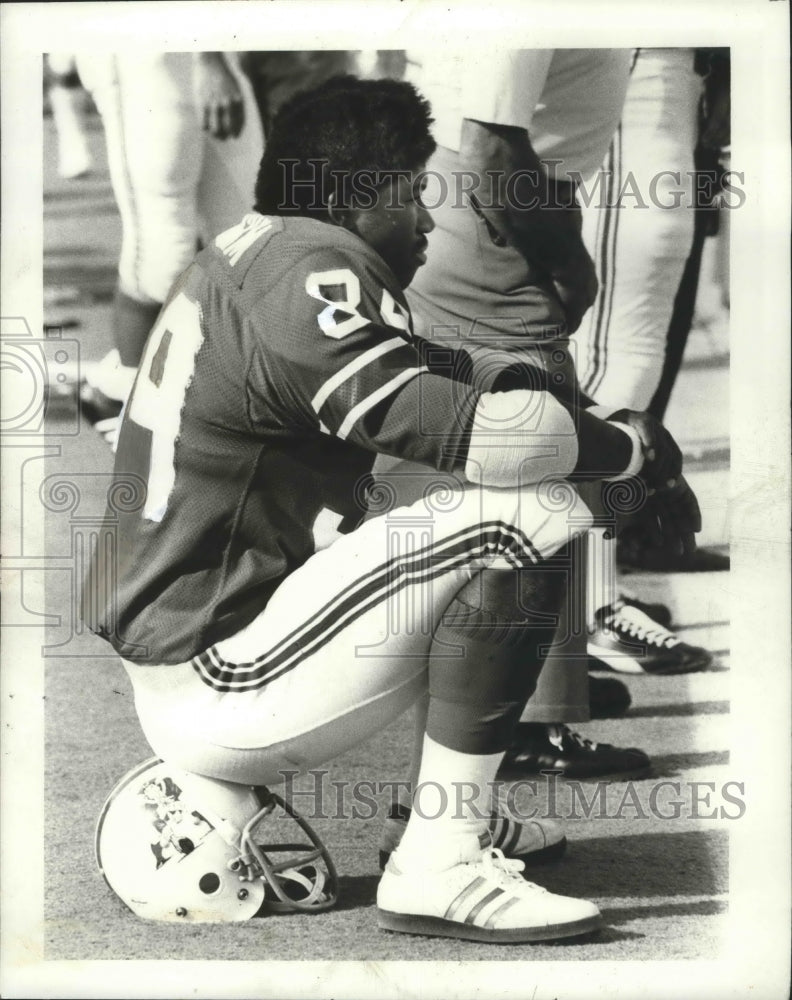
354, 624
340, 650
342, 646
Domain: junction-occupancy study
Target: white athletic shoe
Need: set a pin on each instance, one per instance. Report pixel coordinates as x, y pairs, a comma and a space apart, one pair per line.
532, 842
482, 900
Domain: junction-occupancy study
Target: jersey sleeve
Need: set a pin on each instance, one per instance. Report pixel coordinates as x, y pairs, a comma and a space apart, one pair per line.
335, 354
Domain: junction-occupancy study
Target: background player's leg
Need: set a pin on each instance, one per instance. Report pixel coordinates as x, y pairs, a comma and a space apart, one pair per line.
641, 237
230, 165
543, 740
155, 150
684, 303
67, 101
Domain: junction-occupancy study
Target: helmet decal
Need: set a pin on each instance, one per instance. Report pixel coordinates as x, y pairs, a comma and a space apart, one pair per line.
177, 833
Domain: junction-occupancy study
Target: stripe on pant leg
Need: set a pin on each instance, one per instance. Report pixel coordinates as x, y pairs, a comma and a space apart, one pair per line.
379, 584
612, 251
606, 260
231, 676
492, 531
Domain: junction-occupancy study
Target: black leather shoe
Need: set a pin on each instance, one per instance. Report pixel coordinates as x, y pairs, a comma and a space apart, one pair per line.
632, 553
627, 640
539, 747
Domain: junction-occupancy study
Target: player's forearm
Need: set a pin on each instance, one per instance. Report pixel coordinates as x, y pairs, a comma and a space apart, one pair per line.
524, 436
495, 438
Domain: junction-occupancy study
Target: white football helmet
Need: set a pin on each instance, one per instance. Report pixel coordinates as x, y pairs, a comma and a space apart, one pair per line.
177, 846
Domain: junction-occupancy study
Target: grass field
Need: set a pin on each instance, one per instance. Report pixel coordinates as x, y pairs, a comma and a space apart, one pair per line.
662, 883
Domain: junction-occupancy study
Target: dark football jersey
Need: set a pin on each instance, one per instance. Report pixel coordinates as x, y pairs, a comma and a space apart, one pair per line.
281, 364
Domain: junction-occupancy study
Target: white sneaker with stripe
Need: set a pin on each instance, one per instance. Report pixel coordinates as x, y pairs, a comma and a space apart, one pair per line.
482, 900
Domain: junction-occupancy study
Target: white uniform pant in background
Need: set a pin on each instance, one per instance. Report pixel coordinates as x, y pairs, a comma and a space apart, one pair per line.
639, 230
172, 181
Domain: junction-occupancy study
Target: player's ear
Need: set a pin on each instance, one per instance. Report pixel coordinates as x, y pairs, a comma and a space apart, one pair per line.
338, 214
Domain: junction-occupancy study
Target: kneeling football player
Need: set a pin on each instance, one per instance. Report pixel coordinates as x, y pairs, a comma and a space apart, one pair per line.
270, 608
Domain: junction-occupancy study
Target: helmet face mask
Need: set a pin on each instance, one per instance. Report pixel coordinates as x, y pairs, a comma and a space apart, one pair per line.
179, 847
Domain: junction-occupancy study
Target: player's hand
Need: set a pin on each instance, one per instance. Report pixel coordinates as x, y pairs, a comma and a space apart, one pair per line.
663, 460
218, 94
671, 518
576, 285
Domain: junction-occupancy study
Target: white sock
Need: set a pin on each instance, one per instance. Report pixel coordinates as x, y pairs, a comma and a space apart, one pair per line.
601, 584
66, 104
450, 809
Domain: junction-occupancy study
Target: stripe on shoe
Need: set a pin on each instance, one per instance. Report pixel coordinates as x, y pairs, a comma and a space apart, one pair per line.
498, 830
481, 912
511, 843
492, 918
505, 832
494, 894
460, 899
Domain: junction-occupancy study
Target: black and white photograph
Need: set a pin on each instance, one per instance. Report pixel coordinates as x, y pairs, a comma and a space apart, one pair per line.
395, 500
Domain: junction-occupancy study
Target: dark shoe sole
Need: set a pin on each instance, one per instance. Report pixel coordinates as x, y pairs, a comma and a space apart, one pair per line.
407, 923
515, 771
612, 661
702, 561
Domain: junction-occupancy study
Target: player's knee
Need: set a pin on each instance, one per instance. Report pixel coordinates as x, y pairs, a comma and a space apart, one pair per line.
553, 513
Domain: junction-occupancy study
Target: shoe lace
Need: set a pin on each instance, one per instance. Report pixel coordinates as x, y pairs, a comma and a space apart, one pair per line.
560, 732
506, 871
626, 620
